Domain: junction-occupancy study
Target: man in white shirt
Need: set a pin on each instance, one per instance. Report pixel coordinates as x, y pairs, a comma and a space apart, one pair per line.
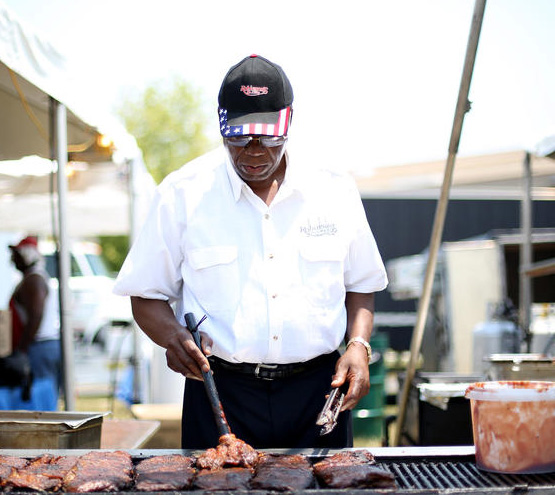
280, 258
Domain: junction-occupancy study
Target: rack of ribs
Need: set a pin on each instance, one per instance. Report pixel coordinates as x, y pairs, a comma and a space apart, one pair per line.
99, 471
43, 473
7, 463
283, 473
173, 472
230, 452
230, 478
229, 466
352, 469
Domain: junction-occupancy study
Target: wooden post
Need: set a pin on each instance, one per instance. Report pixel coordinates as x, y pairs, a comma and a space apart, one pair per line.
463, 106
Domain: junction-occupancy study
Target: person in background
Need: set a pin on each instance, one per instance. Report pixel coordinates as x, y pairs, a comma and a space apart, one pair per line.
280, 258
36, 330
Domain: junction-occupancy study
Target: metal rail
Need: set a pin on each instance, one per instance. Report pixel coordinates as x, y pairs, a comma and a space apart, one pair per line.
540, 268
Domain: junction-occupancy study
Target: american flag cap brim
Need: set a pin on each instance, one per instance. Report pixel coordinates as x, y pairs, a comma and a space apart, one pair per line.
263, 124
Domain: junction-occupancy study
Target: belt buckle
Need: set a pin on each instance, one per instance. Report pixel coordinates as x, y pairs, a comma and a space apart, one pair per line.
266, 366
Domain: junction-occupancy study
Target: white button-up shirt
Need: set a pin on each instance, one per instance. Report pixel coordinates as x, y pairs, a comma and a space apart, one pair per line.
271, 279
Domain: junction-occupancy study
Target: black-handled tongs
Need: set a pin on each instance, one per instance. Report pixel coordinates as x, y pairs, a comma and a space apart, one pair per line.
327, 418
208, 379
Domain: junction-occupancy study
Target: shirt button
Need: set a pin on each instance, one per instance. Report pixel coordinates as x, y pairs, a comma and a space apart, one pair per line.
271, 256
267, 216
274, 296
275, 337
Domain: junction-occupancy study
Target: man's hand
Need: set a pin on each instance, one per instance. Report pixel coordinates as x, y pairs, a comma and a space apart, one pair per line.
183, 356
352, 367
157, 320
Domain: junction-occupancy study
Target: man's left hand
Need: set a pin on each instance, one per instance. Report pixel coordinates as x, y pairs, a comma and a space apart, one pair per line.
352, 367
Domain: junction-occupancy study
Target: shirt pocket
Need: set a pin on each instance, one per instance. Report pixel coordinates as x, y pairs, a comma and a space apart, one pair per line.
213, 277
321, 267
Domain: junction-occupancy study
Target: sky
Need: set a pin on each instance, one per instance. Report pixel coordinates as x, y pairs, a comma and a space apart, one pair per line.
375, 82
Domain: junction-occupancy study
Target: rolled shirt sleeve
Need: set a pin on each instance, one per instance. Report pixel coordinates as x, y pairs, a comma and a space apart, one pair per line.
364, 268
152, 267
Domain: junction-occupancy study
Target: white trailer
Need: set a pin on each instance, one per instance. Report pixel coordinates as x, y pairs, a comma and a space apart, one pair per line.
474, 278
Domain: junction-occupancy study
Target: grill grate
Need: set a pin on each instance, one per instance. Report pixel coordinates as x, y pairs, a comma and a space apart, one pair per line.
460, 475
423, 474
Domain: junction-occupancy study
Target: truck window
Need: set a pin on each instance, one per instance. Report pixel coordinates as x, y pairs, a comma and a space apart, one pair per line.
52, 266
97, 265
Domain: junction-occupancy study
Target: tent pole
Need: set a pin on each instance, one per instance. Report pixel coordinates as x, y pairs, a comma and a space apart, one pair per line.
60, 126
525, 301
463, 106
131, 179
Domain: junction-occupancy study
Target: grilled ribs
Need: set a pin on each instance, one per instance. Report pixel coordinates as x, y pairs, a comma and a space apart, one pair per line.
233, 465
283, 473
352, 469
7, 463
43, 473
232, 478
99, 471
164, 473
230, 452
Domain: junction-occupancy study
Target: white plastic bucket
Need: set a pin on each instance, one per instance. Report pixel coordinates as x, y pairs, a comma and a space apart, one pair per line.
513, 424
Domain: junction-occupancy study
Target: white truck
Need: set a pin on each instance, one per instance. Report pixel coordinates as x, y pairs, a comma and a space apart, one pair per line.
93, 307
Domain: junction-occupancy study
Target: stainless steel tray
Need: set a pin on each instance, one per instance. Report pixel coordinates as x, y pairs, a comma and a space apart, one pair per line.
50, 430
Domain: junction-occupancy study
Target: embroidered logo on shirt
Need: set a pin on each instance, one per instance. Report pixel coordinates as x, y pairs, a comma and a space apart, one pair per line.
318, 229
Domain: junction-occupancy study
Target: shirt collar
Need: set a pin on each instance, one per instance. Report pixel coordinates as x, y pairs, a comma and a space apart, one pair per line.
291, 177
235, 181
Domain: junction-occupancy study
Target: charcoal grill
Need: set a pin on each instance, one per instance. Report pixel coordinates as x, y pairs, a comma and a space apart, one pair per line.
417, 470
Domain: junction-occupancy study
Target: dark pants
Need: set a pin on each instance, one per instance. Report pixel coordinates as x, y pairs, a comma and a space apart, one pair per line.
266, 414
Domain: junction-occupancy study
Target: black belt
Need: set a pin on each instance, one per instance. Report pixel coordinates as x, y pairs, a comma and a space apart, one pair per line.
270, 371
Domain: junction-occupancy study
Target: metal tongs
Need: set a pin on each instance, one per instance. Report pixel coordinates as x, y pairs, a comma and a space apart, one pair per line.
327, 418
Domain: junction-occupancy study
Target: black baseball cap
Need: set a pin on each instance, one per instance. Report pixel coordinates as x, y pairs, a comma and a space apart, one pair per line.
255, 98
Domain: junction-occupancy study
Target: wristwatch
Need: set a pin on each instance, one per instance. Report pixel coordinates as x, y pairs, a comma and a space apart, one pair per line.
360, 340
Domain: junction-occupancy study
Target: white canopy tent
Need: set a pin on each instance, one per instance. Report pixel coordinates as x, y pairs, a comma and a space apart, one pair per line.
34, 81
32, 74
99, 197
39, 117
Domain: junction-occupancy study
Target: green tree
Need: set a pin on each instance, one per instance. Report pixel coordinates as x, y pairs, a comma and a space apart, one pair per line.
114, 249
169, 122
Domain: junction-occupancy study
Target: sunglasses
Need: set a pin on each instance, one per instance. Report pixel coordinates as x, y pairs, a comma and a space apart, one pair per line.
266, 141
